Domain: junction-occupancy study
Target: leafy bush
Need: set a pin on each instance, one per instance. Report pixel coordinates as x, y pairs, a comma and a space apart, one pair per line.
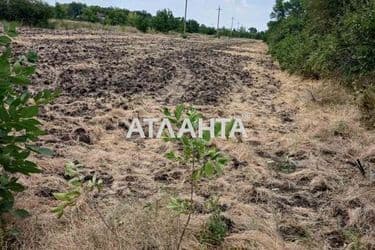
203, 29
164, 21
77, 188
192, 26
325, 39
30, 12
19, 127
216, 228
141, 22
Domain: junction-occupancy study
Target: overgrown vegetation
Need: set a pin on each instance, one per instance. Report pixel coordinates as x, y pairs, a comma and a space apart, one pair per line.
77, 188
333, 39
202, 158
217, 226
325, 38
19, 127
29, 12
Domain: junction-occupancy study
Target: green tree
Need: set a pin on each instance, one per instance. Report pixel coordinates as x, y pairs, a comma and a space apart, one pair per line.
75, 10
278, 10
19, 126
25, 11
164, 21
192, 26
89, 14
139, 20
60, 11
203, 29
115, 16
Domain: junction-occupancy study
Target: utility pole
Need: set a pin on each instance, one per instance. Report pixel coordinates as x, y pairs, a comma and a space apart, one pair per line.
231, 27
186, 3
218, 20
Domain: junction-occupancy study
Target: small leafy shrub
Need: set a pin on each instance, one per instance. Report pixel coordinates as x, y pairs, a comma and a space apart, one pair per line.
203, 160
77, 188
216, 228
85, 190
19, 126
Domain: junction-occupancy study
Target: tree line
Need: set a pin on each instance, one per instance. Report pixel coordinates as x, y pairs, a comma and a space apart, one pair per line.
325, 38
37, 13
332, 39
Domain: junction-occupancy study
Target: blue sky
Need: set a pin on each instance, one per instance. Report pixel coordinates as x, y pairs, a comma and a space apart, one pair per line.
249, 13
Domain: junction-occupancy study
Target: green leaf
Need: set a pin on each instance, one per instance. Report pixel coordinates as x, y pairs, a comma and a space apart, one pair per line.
208, 169
4, 40
41, 150
32, 56
196, 175
20, 80
178, 205
21, 213
228, 128
178, 111
6, 201
223, 161
28, 112
24, 167
69, 197
217, 128
29, 124
60, 196
166, 112
171, 155
206, 136
4, 116
4, 64
45, 96
24, 97
15, 186
25, 71
59, 211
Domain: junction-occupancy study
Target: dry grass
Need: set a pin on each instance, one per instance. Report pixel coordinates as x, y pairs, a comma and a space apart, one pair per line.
135, 227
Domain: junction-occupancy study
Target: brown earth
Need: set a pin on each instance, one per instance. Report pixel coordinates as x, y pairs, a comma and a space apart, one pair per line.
293, 183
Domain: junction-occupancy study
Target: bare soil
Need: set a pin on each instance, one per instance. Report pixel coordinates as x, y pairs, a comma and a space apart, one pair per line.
293, 183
